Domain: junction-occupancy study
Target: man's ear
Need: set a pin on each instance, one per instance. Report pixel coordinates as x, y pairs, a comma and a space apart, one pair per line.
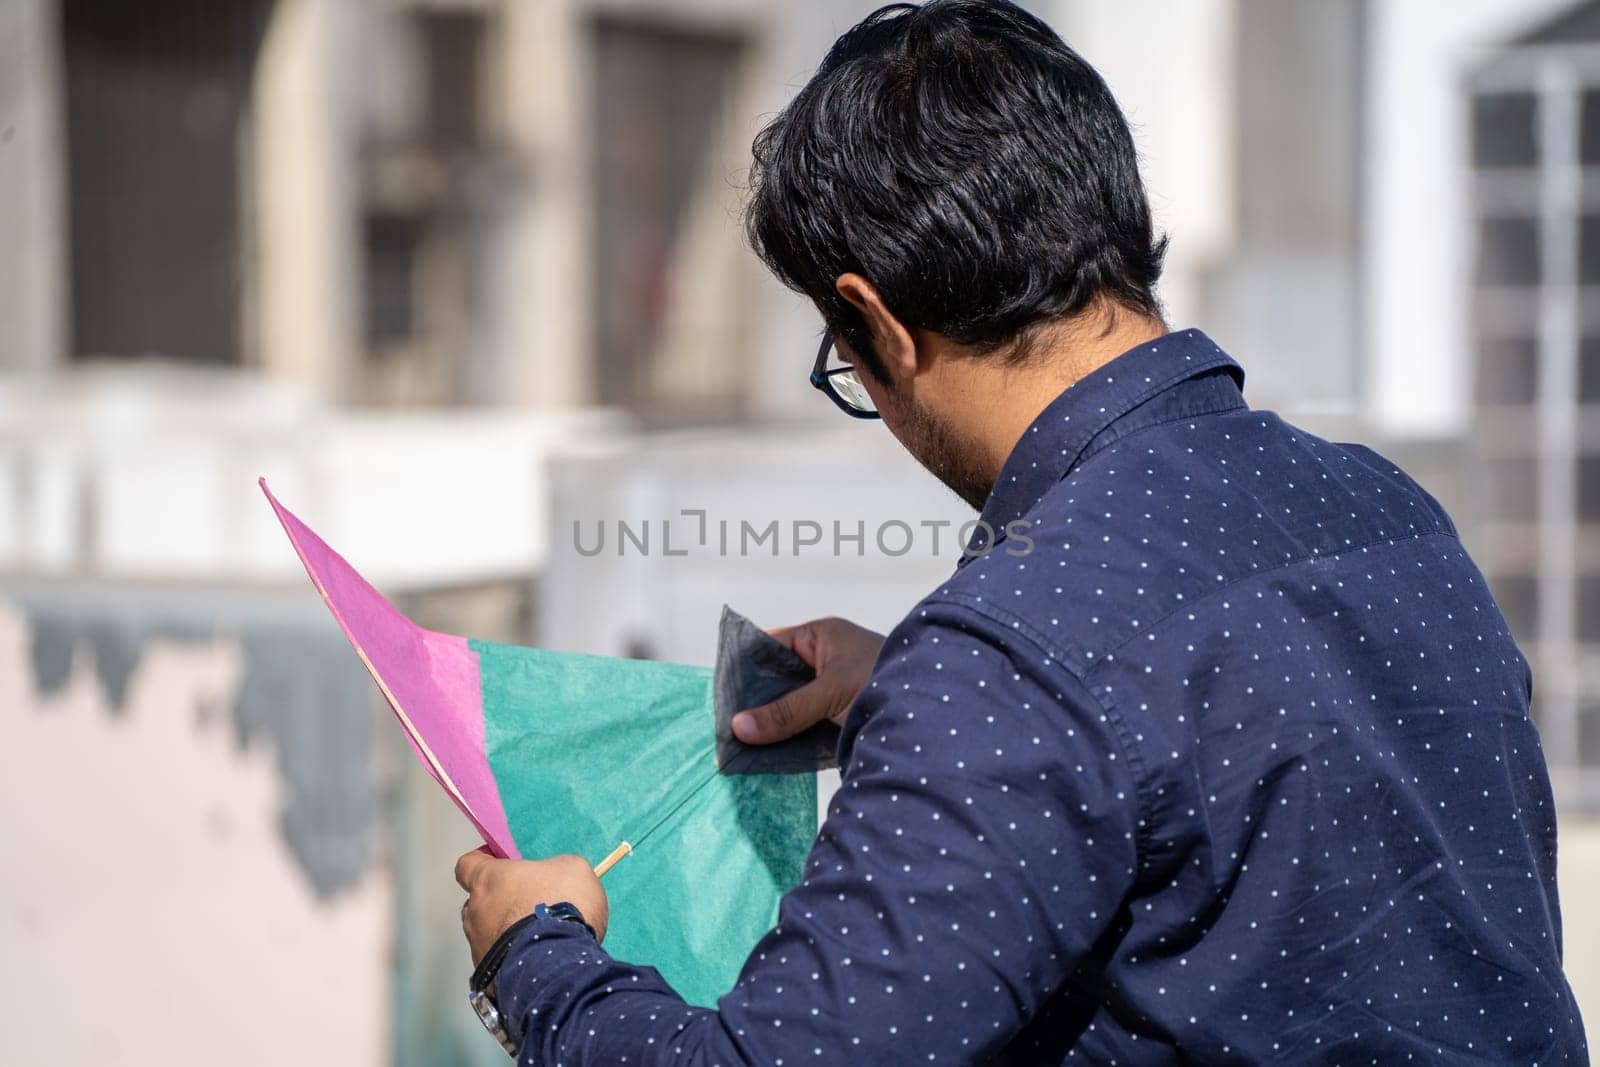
892, 341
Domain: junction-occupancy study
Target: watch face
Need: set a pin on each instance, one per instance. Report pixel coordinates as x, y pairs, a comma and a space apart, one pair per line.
489, 1016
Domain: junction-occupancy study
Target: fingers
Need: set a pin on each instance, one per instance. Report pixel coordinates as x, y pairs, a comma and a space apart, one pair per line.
786, 716
470, 865
842, 654
805, 639
502, 891
810, 641
785, 635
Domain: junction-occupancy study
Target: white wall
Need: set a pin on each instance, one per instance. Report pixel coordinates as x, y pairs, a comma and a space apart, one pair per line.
151, 912
1419, 366
149, 472
1579, 870
847, 472
1170, 65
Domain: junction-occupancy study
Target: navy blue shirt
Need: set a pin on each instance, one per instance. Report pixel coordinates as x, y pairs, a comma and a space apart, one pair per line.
1221, 752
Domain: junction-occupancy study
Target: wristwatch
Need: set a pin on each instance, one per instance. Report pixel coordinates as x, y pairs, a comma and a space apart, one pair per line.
480, 991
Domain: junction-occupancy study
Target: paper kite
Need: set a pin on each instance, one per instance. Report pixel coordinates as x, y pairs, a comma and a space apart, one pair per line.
549, 752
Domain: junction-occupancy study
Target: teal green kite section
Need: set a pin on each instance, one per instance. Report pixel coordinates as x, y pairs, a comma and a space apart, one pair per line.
549, 753
590, 751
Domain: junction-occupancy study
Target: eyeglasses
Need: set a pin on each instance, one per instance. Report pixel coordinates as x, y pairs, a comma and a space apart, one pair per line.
842, 384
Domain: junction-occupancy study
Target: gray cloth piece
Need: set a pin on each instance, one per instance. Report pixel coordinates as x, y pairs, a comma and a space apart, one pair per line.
754, 668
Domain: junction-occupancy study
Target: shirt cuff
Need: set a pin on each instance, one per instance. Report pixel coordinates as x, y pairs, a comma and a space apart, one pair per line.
531, 978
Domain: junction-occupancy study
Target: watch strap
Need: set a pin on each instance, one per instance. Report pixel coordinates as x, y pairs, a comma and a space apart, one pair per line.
483, 976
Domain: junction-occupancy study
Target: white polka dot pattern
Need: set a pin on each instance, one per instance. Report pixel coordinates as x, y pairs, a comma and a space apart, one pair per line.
1234, 763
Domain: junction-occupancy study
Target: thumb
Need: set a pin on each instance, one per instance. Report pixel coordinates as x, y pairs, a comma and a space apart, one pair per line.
468, 866
786, 716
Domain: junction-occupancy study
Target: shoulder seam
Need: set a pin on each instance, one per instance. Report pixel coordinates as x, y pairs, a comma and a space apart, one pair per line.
1139, 770
1309, 557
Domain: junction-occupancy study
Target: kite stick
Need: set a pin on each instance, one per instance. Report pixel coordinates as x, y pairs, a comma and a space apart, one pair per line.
626, 849
434, 766
611, 860
439, 772
416, 736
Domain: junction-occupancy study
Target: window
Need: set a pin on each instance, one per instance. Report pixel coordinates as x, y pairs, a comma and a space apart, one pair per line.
454, 46
1508, 370
1505, 130
156, 96
1518, 597
434, 188
1508, 251
391, 249
1535, 124
668, 254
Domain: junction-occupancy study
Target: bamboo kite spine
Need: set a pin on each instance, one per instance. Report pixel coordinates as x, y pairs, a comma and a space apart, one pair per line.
611, 860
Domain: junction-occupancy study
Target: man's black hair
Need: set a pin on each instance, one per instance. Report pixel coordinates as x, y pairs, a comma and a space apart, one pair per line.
966, 162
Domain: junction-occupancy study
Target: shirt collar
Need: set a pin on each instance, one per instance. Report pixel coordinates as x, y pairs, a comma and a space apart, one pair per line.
1088, 414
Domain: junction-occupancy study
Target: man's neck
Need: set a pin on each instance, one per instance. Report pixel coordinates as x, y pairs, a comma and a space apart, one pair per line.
1006, 399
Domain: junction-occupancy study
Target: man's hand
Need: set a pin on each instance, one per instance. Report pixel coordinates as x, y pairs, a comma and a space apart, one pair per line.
499, 892
841, 653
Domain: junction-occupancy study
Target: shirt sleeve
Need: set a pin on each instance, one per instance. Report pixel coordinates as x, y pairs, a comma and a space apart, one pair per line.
982, 840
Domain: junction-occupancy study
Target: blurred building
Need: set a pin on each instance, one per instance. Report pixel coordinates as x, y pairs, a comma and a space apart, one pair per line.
465, 279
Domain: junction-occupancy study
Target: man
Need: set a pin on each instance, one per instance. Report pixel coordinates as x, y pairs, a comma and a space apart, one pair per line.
1218, 751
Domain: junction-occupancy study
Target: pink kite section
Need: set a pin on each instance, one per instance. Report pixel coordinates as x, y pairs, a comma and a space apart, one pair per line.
429, 679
